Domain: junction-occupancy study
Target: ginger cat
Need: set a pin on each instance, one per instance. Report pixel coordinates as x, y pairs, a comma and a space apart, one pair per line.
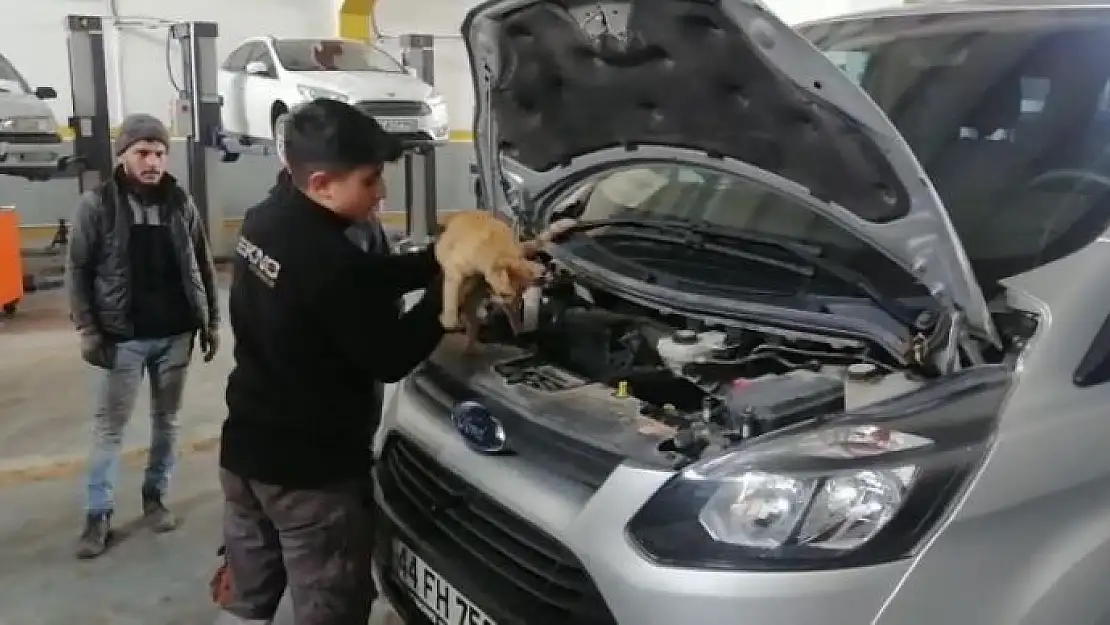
479, 252
478, 244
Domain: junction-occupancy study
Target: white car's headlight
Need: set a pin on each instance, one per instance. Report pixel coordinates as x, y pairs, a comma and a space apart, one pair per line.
34, 124
316, 93
859, 490
435, 105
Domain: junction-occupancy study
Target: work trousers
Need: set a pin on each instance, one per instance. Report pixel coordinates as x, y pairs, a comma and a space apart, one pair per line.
318, 542
165, 361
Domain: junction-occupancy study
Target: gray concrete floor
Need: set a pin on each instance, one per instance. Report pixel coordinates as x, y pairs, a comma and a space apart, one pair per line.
46, 394
146, 579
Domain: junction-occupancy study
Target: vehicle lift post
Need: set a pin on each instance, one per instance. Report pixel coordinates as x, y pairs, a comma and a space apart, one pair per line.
197, 109
421, 222
92, 140
197, 112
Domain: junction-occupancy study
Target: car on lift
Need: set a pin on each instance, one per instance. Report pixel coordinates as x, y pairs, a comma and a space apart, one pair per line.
264, 77
30, 144
826, 346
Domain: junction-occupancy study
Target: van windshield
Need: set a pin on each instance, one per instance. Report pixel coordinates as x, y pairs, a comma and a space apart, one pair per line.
1008, 112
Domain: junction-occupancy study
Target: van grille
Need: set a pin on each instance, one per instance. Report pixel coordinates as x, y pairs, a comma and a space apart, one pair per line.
533, 578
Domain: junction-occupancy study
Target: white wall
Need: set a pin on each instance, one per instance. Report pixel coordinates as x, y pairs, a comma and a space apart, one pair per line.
443, 18
34, 39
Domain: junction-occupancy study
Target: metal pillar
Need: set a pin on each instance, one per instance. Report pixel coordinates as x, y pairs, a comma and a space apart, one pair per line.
200, 104
420, 162
92, 144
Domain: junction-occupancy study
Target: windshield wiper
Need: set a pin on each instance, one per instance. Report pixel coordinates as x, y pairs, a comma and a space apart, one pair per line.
694, 235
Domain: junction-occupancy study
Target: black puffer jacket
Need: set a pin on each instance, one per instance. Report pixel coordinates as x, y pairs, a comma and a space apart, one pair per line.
98, 269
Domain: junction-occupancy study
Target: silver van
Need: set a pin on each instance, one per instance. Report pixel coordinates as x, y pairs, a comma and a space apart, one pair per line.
830, 344
29, 139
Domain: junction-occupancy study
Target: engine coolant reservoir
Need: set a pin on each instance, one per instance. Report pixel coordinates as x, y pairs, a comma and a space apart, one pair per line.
866, 384
688, 346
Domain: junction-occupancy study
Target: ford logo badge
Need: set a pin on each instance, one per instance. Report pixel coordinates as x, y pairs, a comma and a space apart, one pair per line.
478, 427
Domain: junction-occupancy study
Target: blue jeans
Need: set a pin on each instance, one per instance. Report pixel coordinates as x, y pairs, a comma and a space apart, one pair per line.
166, 360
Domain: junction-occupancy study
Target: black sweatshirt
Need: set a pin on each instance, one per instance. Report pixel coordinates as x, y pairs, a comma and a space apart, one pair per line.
316, 324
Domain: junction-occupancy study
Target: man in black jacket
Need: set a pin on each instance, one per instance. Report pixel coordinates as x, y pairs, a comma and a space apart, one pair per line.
316, 330
142, 287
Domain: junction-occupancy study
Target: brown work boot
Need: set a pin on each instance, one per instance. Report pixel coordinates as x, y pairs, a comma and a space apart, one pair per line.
156, 514
94, 538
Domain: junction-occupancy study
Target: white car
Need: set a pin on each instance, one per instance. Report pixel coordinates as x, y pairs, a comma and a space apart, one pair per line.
265, 77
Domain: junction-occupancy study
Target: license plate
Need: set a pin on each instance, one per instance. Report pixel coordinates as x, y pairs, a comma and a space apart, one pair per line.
432, 594
397, 124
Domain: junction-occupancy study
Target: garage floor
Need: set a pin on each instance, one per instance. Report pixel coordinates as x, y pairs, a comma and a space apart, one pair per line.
145, 579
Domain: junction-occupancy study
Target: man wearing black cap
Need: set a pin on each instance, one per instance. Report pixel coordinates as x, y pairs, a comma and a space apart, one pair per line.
142, 287
316, 331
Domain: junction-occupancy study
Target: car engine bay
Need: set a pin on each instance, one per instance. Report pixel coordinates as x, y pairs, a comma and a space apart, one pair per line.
694, 389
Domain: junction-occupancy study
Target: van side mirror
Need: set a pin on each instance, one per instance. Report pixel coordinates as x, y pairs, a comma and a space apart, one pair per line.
46, 93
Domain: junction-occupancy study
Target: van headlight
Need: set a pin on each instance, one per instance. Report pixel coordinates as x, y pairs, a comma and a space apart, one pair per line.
860, 490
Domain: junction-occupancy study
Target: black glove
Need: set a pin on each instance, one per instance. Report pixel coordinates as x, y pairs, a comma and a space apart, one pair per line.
98, 352
209, 342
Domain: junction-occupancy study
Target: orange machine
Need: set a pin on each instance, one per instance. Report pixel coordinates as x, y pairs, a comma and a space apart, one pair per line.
11, 261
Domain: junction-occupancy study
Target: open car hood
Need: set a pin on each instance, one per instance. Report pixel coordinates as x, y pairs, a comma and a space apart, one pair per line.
565, 88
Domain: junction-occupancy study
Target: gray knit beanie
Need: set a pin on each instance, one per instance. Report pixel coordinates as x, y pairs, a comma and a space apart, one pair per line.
141, 127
